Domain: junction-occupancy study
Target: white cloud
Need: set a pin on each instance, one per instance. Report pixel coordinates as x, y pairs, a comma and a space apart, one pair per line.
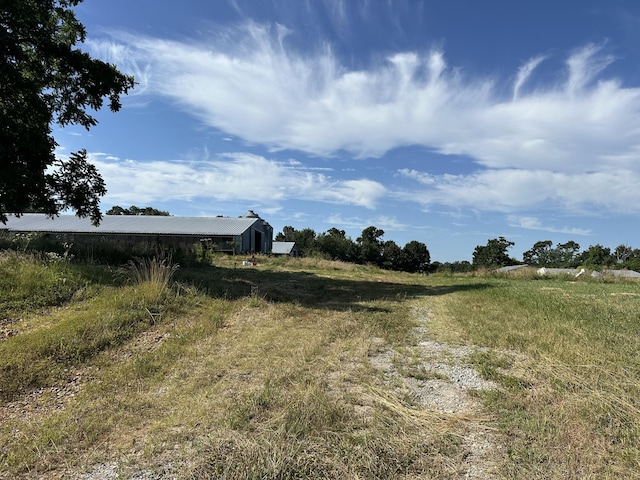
534, 223
237, 176
421, 177
573, 144
524, 73
584, 66
512, 190
248, 82
384, 222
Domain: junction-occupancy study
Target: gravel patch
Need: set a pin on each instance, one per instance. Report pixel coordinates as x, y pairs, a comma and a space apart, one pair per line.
439, 378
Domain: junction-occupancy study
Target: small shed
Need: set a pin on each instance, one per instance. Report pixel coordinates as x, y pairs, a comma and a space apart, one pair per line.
285, 248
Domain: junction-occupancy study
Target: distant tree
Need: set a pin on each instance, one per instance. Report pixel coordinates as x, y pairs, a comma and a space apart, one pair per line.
133, 210
117, 210
633, 262
566, 254
563, 255
493, 254
370, 242
435, 266
335, 245
44, 79
452, 267
305, 239
622, 253
416, 257
288, 234
540, 254
596, 256
393, 257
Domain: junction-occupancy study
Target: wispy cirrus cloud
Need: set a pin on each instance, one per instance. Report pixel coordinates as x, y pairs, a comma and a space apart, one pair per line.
248, 81
572, 144
524, 72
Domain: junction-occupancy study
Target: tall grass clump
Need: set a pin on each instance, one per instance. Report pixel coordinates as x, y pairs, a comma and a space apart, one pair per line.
154, 275
30, 281
155, 270
40, 356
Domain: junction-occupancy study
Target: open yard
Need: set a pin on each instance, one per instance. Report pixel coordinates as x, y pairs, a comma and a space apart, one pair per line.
303, 368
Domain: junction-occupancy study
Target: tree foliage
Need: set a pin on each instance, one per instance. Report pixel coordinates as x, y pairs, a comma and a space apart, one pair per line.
370, 242
369, 248
542, 254
596, 256
44, 79
416, 257
133, 210
393, 258
493, 254
305, 239
539, 254
334, 244
622, 253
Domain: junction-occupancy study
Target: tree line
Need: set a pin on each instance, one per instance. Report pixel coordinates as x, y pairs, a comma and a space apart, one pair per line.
133, 210
563, 255
368, 248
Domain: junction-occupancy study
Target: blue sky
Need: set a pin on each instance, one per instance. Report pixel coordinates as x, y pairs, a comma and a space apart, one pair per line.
447, 122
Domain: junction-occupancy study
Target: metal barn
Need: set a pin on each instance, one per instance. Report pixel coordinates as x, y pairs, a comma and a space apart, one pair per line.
246, 234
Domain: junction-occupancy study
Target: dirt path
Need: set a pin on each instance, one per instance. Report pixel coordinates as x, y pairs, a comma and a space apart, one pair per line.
439, 378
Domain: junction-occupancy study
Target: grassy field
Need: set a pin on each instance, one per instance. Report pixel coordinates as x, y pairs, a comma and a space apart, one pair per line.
303, 368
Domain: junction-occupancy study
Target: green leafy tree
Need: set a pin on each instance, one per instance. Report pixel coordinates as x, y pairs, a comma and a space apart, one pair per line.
566, 254
633, 261
596, 256
44, 79
451, 267
305, 239
133, 210
288, 234
493, 254
393, 257
335, 245
416, 257
540, 254
371, 245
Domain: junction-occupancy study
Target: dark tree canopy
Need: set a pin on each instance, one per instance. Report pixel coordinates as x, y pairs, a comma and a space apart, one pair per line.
45, 79
305, 239
336, 245
596, 255
133, 210
369, 248
370, 242
493, 254
416, 257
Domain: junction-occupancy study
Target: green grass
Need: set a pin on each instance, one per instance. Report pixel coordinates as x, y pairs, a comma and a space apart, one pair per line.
572, 407
263, 372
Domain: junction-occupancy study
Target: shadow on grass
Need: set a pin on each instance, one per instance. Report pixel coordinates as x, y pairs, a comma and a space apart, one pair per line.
309, 289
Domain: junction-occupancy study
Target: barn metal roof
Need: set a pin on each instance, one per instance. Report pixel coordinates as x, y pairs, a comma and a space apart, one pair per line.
132, 225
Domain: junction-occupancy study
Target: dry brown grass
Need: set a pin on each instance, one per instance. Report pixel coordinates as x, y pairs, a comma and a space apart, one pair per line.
239, 387
268, 375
